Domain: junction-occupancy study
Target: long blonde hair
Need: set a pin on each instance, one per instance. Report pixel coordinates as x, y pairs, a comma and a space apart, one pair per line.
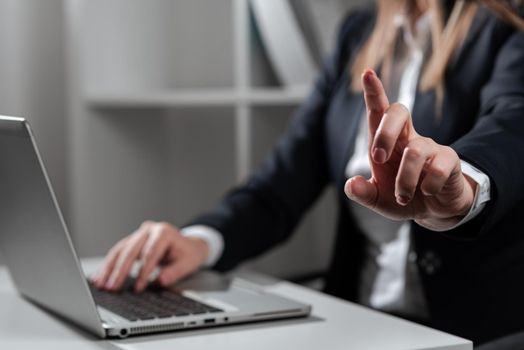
446, 37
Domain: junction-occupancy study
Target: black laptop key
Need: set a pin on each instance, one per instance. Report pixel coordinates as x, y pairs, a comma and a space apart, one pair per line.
199, 312
148, 318
152, 303
181, 313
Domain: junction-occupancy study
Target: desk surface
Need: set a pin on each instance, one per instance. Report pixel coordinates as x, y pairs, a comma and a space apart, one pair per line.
334, 324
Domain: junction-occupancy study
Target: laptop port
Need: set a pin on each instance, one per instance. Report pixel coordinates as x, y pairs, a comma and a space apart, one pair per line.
209, 320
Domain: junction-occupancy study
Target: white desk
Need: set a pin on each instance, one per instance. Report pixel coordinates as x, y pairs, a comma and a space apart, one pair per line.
334, 324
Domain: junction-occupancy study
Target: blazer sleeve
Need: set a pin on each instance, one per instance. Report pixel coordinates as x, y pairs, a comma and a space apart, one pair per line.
495, 144
263, 212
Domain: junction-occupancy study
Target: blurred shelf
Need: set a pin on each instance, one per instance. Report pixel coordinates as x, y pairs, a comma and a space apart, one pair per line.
277, 96
173, 98
197, 98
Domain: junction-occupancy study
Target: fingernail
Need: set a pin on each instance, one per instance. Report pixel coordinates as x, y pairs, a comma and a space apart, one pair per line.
403, 200
348, 189
367, 76
379, 155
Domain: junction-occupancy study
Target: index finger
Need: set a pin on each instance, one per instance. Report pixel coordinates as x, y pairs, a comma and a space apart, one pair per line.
376, 100
125, 261
109, 263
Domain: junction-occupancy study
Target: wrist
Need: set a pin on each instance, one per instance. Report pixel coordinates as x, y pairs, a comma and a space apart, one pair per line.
470, 187
213, 238
448, 223
202, 247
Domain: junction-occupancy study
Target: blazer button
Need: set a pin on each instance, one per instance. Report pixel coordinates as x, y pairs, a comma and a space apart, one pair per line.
429, 262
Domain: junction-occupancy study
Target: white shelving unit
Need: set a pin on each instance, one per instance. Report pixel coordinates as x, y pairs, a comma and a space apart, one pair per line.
147, 82
242, 96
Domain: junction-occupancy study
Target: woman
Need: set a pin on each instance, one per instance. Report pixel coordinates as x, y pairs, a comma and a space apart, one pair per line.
457, 69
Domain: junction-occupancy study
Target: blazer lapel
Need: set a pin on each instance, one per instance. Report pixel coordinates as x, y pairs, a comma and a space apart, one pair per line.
343, 121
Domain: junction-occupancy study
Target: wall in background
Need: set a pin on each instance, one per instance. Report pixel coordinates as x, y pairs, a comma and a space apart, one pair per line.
112, 169
133, 164
33, 81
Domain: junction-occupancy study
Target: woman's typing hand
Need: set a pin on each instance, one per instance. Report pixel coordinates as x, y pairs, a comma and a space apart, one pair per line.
154, 244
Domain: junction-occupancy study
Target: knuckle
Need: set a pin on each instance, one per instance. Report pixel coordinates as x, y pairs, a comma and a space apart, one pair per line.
164, 227
438, 171
137, 235
450, 152
385, 136
422, 142
146, 224
427, 141
413, 152
375, 109
399, 108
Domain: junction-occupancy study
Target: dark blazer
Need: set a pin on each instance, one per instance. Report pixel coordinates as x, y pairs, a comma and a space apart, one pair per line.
472, 276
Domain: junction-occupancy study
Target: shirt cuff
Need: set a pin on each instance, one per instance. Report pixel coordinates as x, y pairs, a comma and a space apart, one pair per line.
482, 192
212, 237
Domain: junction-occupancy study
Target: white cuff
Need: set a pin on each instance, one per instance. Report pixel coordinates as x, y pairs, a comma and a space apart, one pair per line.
213, 238
482, 192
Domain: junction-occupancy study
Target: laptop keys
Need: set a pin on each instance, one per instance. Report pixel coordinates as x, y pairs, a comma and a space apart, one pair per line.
150, 304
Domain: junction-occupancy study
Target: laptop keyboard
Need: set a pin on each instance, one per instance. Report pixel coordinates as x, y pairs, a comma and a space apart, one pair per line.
154, 302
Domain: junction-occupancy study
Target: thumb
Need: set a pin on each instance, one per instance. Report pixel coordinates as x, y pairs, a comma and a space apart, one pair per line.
362, 191
172, 273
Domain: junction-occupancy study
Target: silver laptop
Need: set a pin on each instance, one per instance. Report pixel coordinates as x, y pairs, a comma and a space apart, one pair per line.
45, 268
